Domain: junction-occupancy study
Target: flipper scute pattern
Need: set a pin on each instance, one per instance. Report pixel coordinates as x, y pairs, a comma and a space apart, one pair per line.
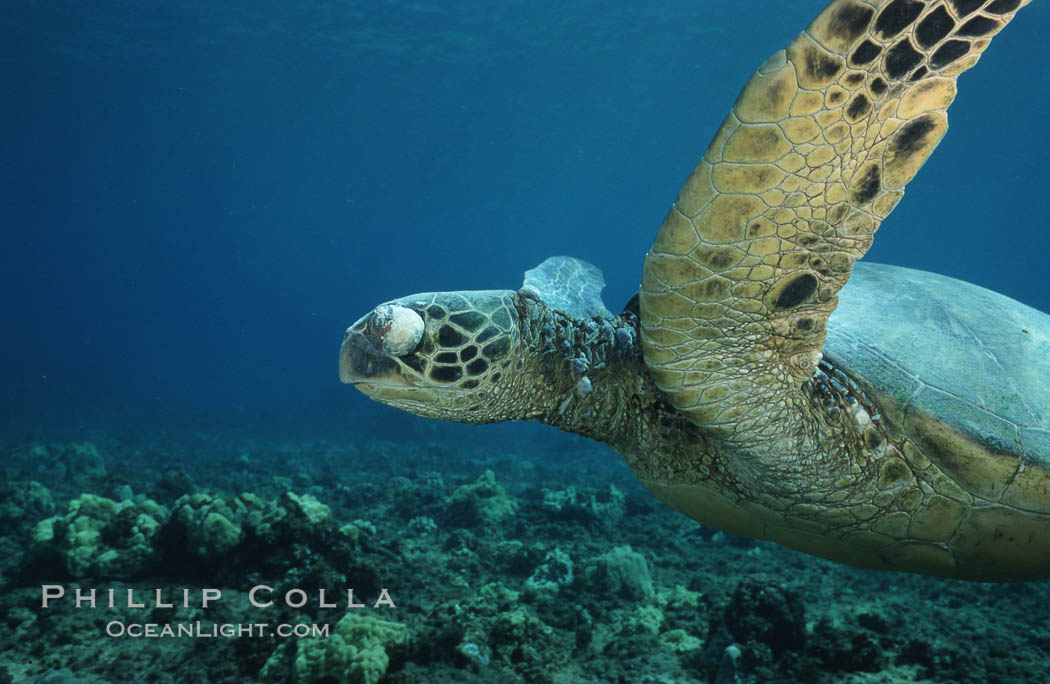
744, 273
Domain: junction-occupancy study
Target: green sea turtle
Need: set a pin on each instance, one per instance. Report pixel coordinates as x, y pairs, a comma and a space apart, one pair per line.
908, 430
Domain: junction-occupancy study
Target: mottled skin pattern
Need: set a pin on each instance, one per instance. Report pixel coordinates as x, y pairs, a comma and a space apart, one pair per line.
732, 417
814, 155
744, 273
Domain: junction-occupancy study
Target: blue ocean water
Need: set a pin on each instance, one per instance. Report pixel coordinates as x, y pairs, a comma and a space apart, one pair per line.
198, 197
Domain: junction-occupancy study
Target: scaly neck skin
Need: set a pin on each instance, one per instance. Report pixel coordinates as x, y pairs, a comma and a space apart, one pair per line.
590, 380
587, 370
626, 410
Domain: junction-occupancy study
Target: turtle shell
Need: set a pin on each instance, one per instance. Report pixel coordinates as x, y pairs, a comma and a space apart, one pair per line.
961, 370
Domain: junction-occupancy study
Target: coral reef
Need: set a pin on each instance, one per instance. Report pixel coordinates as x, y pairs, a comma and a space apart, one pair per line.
482, 501
422, 567
624, 573
23, 504
356, 652
211, 525
100, 537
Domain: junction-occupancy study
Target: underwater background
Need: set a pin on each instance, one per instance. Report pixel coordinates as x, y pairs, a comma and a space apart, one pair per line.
199, 197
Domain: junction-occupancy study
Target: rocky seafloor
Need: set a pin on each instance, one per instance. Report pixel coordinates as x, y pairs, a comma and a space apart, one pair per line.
505, 563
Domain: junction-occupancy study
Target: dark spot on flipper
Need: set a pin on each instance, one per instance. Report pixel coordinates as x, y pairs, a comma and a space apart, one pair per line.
716, 287
1003, 6
446, 357
797, 291
761, 227
901, 58
468, 320
892, 472
897, 16
919, 73
820, 66
793, 260
873, 440
948, 53
853, 80
449, 337
446, 373
934, 27
964, 7
912, 136
858, 108
775, 91
436, 312
837, 213
865, 53
721, 258
878, 86
867, 186
804, 324
850, 22
468, 353
477, 367
836, 97
469, 384
978, 26
808, 240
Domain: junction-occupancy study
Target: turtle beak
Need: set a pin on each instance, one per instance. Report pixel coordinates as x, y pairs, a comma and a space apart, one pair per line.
361, 362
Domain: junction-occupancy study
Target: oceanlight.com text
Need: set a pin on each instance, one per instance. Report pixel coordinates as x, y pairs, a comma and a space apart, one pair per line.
209, 630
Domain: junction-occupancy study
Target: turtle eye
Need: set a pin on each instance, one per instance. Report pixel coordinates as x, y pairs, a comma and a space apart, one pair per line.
397, 329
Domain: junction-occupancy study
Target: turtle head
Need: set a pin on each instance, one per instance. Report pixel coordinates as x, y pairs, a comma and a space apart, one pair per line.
482, 356
441, 355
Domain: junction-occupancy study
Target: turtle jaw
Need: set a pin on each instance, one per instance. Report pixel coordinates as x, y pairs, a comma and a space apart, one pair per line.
363, 364
383, 378
377, 374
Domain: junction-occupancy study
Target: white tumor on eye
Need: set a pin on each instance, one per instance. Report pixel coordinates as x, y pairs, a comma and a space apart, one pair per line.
398, 328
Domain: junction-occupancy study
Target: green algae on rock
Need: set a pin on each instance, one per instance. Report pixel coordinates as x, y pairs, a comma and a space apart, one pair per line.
306, 508
212, 525
22, 503
485, 499
99, 537
571, 503
552, 574
357, 651
624, 572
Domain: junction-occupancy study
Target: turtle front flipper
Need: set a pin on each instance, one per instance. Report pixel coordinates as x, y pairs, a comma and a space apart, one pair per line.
743, 275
